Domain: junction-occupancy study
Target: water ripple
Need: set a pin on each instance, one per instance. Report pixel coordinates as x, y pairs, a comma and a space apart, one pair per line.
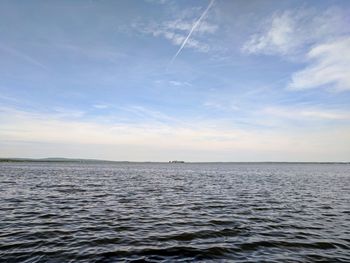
61, 212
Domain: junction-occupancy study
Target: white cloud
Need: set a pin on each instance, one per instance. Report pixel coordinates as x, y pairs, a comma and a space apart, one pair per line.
101, 106
329, 65
307, 113
178, 38
176, 31
222, 106
194, 27
8, 98
180, 83
149, 114
290, 32
69, 113
161, 2
320, 39
200, 142
277, 39
183, 25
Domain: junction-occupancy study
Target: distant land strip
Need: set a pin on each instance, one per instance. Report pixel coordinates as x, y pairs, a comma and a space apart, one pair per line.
73, 160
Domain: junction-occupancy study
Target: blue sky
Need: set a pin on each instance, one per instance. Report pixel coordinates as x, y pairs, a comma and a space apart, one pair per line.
162, 80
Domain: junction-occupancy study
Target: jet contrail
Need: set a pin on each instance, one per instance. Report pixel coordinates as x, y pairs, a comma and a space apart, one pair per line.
191, 31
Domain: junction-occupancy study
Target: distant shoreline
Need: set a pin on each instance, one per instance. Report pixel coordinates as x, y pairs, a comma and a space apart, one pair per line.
68, 160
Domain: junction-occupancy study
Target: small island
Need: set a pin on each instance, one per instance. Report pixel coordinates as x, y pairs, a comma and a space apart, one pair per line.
176, 161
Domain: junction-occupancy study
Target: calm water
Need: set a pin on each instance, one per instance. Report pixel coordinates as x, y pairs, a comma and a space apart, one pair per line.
174, 212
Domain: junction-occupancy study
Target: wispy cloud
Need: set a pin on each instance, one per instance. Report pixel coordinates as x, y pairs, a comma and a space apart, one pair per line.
150, 114
202, 26
176, 83
185, 31
307, 113
161, 2
175, 36
293, 31
97, 52
60, 112
21, 55
329, 66
320, 39
8, 98
18, 126
101, 106
195, 25
222, 106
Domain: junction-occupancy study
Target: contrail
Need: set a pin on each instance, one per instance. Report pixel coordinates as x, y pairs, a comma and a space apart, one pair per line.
191, 31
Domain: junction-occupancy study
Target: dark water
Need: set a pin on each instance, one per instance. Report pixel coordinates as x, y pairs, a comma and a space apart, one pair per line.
174, 212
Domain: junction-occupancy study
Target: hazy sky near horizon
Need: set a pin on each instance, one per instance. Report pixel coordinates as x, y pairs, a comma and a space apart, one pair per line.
160, 80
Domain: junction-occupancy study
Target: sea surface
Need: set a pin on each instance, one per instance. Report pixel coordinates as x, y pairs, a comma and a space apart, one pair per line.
66, 212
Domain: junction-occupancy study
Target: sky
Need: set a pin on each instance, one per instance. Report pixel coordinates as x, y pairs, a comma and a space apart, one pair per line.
160, 80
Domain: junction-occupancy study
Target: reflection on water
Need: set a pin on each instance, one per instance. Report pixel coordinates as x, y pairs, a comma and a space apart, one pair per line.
174, 212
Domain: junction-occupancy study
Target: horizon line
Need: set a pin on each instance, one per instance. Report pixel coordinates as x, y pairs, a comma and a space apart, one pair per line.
65, 159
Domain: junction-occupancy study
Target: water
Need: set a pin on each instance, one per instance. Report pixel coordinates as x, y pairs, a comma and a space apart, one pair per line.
60, 212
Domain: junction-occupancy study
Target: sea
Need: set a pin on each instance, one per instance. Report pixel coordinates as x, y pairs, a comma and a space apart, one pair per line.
174, 212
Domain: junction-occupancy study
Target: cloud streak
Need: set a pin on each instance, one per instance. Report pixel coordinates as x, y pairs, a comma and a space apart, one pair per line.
329, 65
294, 31
195, 25
23, 56
221, 143
320, 39
307, 114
